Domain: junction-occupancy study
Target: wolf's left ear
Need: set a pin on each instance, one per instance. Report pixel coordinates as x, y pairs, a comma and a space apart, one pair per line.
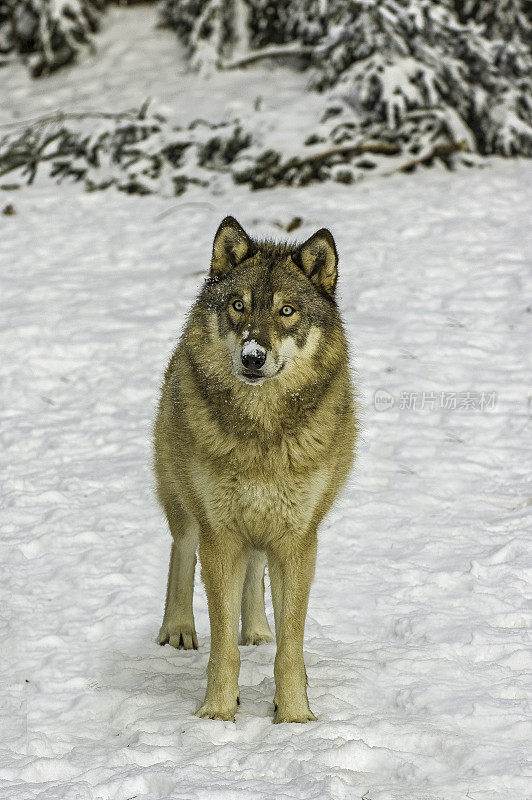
318, 259
231, 246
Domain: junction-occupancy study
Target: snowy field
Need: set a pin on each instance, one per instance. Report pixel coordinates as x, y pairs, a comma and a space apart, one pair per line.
417, 645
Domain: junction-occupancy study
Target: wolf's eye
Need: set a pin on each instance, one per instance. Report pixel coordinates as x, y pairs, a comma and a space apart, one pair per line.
238, 305
286, 311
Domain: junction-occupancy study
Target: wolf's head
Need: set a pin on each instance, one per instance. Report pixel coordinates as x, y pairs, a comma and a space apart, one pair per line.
271, 313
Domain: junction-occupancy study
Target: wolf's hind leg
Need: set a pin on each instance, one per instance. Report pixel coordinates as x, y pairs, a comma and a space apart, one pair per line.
255, 628
178, 627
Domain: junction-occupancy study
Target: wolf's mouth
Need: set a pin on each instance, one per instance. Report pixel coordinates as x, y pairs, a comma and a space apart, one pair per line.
252, 376
256, 376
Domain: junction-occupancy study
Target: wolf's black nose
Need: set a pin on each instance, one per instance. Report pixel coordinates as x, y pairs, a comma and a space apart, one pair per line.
253, 359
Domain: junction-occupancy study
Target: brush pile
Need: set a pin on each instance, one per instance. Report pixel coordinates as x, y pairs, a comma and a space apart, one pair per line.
135, 152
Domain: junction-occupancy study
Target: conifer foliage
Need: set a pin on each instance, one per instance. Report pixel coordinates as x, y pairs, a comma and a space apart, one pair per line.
391, 61
403, 83
52, 31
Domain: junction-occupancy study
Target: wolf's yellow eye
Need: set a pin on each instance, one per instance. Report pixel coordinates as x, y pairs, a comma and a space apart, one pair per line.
286, 311
238, 305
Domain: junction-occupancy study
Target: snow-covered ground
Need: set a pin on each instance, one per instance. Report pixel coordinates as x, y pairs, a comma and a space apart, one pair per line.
417, 645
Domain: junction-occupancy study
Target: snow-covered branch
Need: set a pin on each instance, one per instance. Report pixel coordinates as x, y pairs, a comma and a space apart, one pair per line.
285, 51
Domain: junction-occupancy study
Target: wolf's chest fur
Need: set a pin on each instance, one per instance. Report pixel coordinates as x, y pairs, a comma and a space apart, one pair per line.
264, 491
260, 505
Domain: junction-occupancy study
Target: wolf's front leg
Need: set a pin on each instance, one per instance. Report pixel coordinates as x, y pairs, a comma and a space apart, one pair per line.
178, 623
291, 566
223, 566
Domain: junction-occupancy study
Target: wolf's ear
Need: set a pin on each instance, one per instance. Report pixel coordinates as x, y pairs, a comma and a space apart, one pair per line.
231, 246
318, 259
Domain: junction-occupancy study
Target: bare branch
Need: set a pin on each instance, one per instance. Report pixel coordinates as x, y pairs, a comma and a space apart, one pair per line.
435, 152
61, 116
386, 148
268, 52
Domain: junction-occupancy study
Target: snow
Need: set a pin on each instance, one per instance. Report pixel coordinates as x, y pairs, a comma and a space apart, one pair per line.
417, 643
252, 348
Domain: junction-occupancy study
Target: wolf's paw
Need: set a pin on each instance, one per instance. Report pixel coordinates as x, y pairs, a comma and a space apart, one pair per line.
211, 710
256, 637
180, 635
293, 714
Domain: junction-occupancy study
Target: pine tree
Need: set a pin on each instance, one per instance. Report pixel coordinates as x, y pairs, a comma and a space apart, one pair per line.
6, 39
462, 67
217, 29
53, 31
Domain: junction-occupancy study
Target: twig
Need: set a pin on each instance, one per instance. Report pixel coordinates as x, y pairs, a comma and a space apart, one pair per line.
419, 113
61, 116
171, 210
266, 52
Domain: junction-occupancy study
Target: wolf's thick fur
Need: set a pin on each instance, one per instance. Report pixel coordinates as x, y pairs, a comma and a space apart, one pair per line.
253, 439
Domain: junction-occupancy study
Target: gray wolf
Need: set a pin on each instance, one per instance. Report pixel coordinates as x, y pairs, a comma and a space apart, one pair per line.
254, 437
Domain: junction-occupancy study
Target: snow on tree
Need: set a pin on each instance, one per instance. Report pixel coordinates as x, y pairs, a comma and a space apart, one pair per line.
404, 56
53, 31
136, 152
463, 68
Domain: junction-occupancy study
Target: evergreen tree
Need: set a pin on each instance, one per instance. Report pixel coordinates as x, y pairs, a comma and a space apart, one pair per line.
391, 59
53, 31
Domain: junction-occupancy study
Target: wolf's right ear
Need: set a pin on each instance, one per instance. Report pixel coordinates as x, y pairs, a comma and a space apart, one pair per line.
231, 246
318, 258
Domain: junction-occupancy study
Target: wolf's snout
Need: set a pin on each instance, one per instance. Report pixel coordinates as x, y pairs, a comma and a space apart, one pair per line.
253, 356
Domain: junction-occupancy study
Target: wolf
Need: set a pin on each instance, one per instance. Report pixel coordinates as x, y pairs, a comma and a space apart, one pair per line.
254, 437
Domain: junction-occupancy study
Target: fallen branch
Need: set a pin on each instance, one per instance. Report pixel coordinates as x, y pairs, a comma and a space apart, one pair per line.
61, 116
435, 152
386, 148
267, 52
